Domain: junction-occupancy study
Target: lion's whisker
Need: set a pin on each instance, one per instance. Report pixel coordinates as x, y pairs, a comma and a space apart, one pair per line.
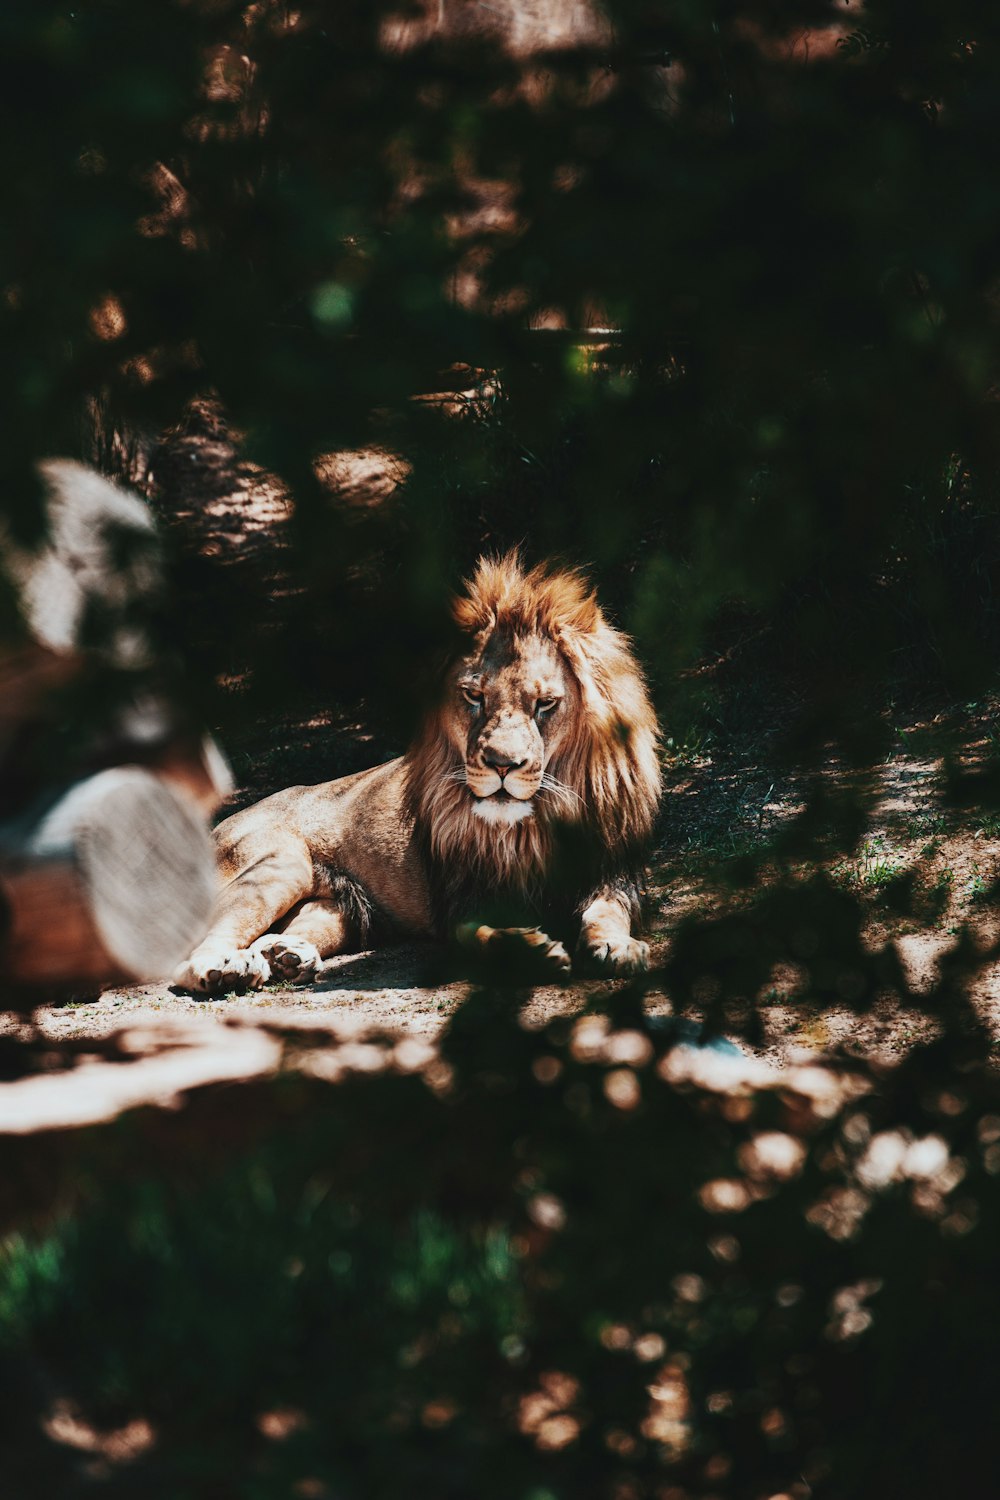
550, 783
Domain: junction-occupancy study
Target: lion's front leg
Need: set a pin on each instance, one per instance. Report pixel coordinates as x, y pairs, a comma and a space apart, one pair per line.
527, 946
250, 904
606, 944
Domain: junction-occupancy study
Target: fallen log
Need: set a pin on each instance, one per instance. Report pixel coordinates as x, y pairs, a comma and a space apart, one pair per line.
107, 872
114, 882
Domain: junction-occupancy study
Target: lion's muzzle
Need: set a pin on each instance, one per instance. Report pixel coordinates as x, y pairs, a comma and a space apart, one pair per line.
520, 783
502, 794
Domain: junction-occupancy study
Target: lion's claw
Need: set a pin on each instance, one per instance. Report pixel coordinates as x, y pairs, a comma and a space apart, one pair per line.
600, 954
544, 950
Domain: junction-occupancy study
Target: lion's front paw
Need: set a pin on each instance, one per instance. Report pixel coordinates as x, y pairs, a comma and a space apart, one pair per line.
527, 949
291, 960
611, 953
216, 969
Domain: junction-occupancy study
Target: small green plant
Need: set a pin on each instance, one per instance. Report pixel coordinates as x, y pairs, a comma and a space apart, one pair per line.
873, 868
926, 825
879, 872
690, 747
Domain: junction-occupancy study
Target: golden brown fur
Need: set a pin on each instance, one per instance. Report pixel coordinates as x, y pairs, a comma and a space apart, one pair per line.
540, 755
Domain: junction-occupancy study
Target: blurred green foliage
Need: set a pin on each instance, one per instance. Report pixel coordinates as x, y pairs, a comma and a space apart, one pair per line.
314, 218
785, 448
558, 1271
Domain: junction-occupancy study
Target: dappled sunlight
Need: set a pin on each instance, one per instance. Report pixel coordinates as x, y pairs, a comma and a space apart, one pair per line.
363, 476
543, 1414
121, 1445
356, 302
589, 1137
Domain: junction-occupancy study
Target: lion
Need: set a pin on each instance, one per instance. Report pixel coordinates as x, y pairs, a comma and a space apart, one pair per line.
517, 818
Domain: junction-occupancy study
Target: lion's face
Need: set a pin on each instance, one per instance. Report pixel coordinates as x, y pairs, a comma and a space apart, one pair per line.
543, 719
511, 705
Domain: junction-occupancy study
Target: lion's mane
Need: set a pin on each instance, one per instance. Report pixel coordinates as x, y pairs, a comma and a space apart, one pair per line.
609, 764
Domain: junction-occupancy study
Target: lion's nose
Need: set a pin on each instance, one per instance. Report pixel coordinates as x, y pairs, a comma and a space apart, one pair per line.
502, 763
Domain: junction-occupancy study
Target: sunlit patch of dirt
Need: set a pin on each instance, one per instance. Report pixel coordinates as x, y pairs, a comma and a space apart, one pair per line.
362, 476
255, 514
925, 871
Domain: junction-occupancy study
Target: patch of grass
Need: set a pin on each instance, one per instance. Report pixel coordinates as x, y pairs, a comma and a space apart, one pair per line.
721, 844
261, 1285
879, 872
693, 748
873, 868
925, 825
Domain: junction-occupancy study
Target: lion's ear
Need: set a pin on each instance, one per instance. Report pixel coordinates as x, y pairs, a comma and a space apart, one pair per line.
494, 582
468, 614
571, 607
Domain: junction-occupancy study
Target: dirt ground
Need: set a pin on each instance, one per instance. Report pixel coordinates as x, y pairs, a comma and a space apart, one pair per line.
401, 988
402, 995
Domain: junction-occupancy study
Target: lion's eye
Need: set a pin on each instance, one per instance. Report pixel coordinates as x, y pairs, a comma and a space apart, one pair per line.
545, 706
473, 696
